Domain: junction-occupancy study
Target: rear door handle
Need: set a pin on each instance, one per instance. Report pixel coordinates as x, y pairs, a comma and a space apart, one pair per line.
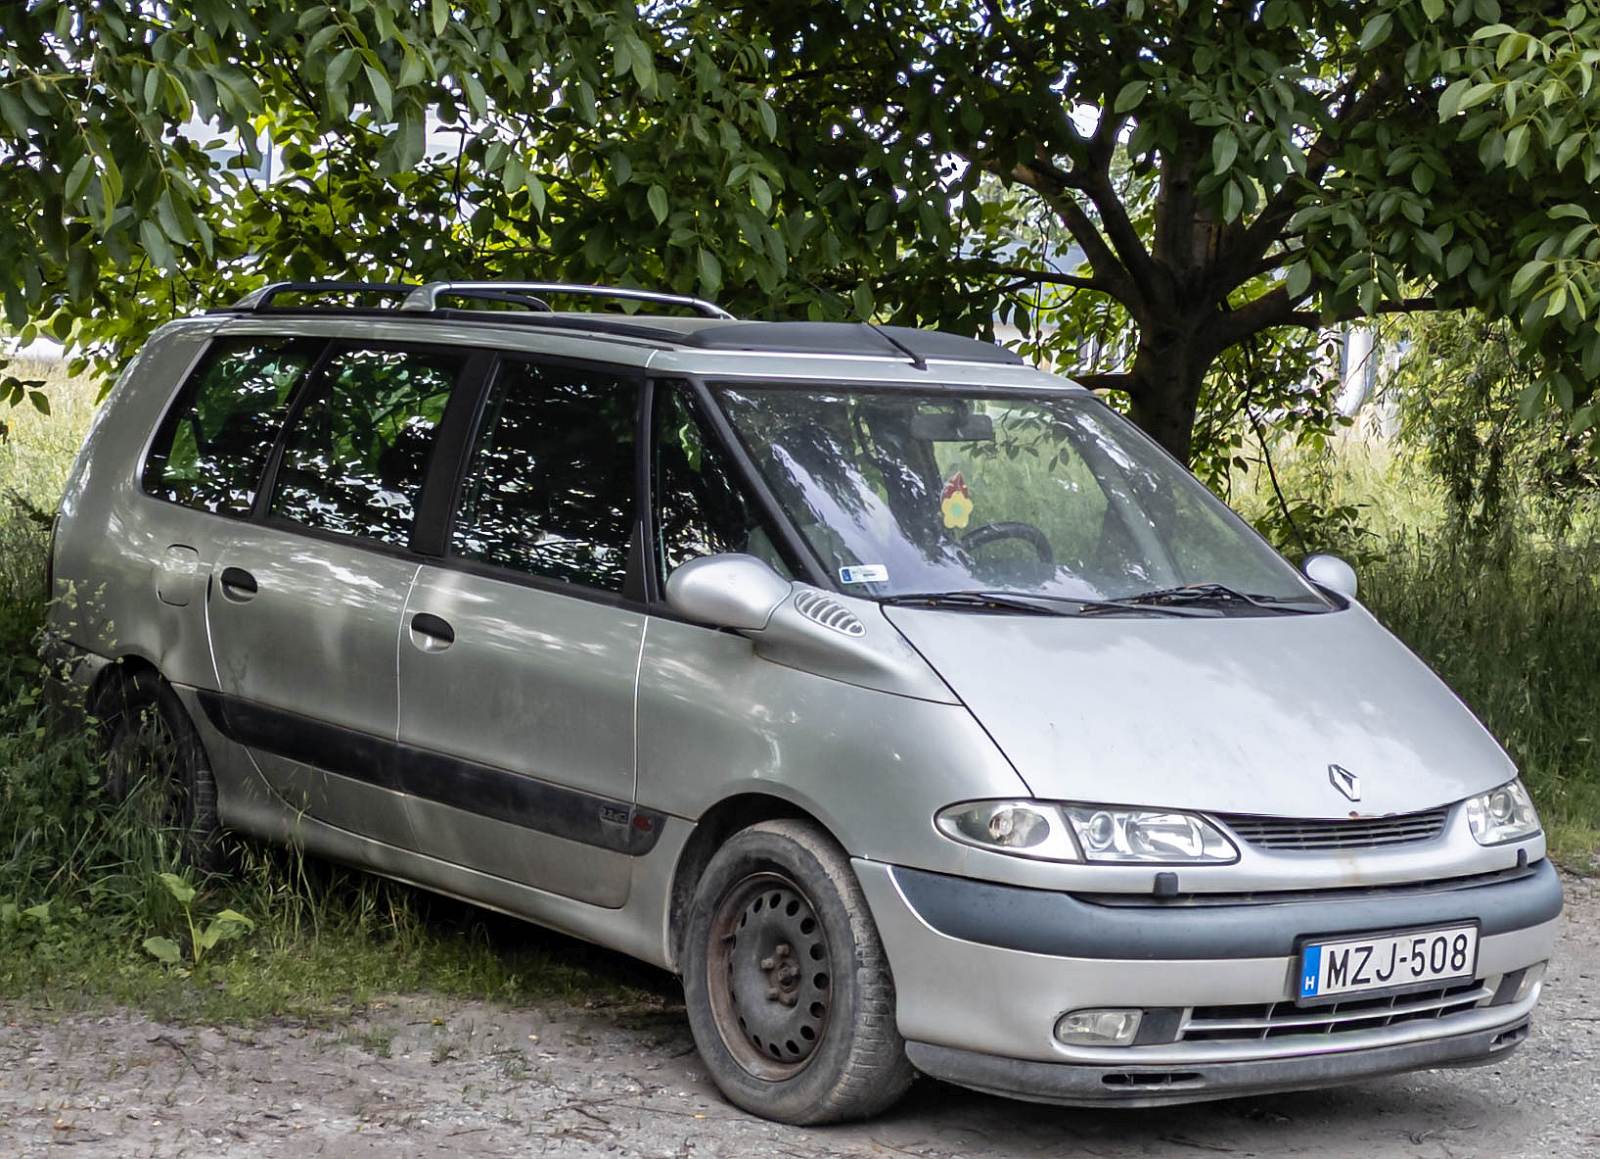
431, 633
238, 585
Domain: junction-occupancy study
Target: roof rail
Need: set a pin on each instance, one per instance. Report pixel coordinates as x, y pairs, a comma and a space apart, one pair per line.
259, 300
425, 298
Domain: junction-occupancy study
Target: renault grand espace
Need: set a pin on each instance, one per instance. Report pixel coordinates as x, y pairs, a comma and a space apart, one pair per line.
915, 708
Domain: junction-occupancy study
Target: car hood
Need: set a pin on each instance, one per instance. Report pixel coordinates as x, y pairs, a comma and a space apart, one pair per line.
1229, 714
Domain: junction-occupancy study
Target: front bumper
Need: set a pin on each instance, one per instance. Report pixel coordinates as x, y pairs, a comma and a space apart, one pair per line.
1141, 1086
982, 973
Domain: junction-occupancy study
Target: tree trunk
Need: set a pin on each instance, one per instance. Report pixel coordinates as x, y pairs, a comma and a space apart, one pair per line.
1168, 371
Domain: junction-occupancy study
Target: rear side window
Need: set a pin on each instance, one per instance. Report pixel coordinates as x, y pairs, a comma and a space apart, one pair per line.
550, 487
356, 457
213, 446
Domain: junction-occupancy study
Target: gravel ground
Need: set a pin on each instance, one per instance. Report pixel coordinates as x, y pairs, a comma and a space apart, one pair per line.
423, 1077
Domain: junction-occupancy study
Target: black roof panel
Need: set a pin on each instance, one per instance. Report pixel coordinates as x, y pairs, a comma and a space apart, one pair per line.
845, 338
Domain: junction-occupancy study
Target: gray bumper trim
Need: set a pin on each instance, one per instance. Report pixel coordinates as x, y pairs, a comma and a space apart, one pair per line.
1149, 1086
1062, 925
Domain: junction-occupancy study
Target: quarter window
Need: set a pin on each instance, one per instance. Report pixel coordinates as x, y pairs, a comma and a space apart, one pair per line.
213, 447
358, 453
700, 507
550, 487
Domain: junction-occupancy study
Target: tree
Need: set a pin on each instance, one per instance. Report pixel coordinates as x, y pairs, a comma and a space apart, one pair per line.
1227, 169
417, 138
1231, 172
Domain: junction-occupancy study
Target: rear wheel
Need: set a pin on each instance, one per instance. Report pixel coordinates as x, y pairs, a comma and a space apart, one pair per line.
789, 993
157, 767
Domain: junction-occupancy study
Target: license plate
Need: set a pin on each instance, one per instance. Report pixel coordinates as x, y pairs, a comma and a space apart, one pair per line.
1382, 963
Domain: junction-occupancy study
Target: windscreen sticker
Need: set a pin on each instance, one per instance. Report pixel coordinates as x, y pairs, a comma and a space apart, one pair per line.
864, 573
956, 502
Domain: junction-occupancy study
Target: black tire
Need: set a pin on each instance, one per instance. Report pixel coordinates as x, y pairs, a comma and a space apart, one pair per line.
156, 765
789, 993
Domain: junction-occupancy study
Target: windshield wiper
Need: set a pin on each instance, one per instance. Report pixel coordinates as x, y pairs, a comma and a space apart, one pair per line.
1037, 605
1001, 601
1213, 595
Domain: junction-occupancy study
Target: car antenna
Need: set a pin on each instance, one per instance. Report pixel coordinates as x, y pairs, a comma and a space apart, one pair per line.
917, 360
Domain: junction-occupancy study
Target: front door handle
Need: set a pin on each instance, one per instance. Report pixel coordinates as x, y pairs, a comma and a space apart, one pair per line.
238, 585
431, 633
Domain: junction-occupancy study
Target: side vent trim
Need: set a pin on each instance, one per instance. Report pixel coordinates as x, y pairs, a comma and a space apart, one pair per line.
821, 609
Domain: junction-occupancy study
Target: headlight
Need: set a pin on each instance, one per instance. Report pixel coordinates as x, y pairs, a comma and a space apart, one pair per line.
1092, 833
1502, 815
1147, 836
1025, 828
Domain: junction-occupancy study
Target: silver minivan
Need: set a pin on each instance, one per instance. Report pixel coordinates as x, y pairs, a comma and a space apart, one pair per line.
915, 708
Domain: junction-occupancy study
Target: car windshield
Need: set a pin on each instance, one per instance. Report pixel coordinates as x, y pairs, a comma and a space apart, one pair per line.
1047, 494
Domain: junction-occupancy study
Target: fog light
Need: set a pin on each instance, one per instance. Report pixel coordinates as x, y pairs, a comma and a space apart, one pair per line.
1098, 1027
1532, 978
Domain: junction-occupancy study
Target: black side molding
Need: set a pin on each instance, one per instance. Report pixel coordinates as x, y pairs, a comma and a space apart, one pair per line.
515, 798
1064, 925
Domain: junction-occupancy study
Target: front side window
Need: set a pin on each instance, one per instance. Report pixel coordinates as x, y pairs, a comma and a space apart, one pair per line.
1046, 494
213, 447
549, 489
358, 454
700, 506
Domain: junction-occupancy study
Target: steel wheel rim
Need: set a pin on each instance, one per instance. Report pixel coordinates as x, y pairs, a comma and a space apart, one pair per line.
769, 976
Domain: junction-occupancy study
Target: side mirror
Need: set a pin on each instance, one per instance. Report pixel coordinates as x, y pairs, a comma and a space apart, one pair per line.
1331, 572
727, 591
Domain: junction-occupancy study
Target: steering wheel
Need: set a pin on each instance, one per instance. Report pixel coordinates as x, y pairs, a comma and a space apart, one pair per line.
987, 533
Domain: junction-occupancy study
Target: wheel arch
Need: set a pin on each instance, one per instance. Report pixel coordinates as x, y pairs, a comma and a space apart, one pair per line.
111, 678
727, 817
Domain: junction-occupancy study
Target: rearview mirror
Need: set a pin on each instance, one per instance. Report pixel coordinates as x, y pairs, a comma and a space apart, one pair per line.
1331, 572
727, 591
951, 424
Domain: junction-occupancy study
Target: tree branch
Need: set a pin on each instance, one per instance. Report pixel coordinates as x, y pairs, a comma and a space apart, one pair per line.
1275, 308
1108, 270
1109, 381
1247, 246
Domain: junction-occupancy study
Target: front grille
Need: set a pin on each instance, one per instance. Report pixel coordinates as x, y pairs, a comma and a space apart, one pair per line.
1283, 1019
1357, 833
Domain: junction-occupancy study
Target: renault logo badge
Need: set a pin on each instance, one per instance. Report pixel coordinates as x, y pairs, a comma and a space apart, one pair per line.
1345, 781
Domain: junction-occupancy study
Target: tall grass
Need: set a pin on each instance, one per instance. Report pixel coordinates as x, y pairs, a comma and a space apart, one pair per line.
81, 883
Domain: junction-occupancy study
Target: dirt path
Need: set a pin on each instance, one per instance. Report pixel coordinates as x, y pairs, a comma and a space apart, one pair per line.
421, 1077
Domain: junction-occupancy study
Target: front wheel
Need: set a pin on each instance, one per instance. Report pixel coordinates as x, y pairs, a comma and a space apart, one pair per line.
789, 993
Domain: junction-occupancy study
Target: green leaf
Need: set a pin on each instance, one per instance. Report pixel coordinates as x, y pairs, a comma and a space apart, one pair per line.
160, 252
78, 178
1224, 148
1477, 94
862, 301
710, 270
1525, 276
382, 93
1129, 96
1376, 31
1516, 145
761, 192
1232, 201
164, 950
39, 401
178, 888
1433, 9
441, 16
1297, 280
657, 197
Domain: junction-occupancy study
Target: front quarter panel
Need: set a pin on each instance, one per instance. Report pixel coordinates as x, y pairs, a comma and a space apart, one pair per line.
717, 720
